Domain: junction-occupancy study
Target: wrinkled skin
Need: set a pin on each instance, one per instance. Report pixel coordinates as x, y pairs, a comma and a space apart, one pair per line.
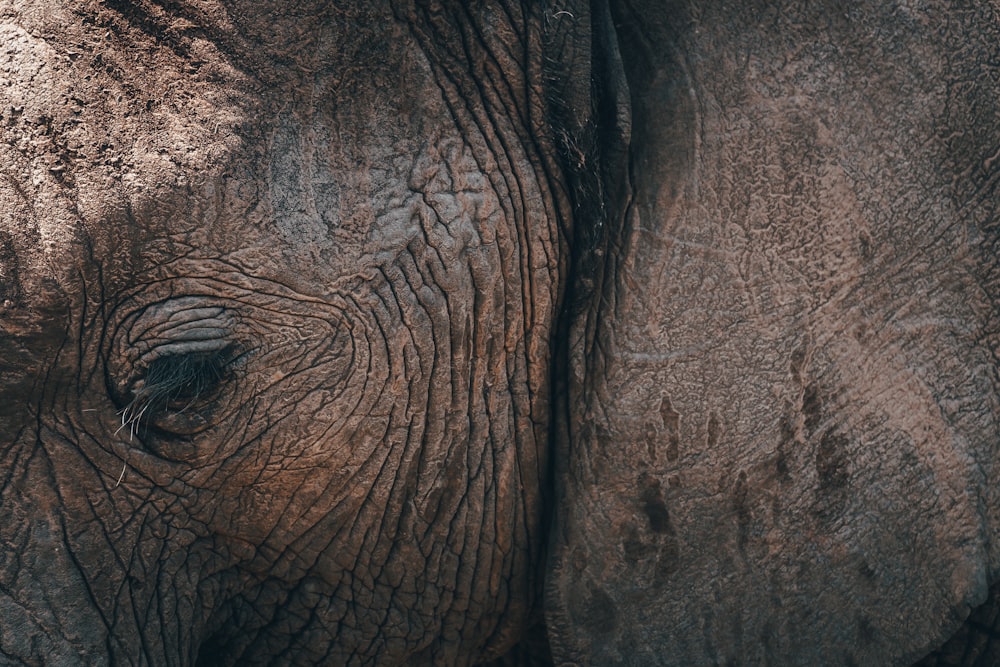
278, 296
782, 433
328, 334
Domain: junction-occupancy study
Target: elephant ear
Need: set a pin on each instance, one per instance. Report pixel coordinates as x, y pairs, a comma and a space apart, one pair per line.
780, 407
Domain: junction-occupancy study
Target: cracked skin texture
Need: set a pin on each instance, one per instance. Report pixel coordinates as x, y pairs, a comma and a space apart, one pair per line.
783, 409
278, 293
281, 320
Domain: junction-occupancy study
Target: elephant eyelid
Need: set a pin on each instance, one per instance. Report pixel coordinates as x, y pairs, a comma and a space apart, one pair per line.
188, 376
179, 378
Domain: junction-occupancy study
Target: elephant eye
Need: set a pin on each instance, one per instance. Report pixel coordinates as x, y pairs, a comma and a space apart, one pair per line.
177, 391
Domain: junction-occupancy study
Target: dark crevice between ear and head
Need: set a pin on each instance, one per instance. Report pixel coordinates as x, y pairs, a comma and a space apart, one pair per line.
590, 106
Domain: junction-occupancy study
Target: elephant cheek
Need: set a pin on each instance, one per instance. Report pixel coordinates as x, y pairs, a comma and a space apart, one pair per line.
47, 604
45, 618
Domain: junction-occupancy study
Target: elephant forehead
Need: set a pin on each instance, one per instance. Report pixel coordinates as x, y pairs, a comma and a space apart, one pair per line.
84, 153
339, 196
341, 163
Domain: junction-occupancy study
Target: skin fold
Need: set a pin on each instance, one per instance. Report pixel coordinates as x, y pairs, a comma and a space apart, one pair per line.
420, 332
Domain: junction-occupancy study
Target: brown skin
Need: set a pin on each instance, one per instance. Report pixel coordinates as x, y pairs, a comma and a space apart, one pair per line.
285, 295
780, 443
278, 295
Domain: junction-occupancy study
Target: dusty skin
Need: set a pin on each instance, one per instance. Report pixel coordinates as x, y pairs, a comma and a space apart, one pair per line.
412, 332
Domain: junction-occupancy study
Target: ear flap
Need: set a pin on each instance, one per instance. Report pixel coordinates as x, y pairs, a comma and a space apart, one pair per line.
614, 106
591, 108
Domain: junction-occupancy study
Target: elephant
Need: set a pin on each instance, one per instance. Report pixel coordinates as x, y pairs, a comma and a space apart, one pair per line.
438, 332
782, 397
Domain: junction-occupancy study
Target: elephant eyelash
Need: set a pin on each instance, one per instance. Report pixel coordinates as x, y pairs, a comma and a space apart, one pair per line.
175, 382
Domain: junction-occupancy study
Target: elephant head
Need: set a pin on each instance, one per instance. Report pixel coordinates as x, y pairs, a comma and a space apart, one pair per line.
335, 332
279, 288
